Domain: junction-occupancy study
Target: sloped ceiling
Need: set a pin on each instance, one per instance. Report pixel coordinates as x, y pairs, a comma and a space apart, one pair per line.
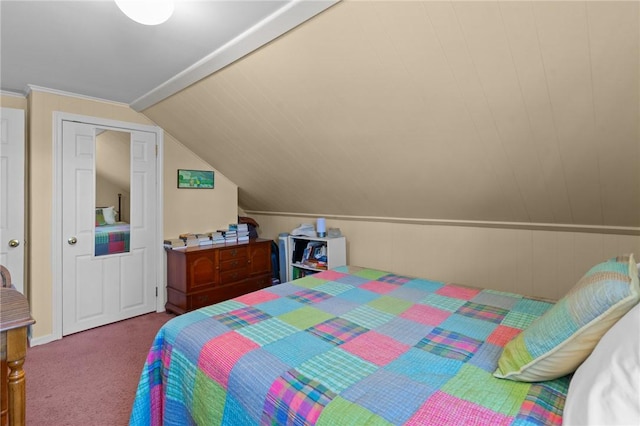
488, 111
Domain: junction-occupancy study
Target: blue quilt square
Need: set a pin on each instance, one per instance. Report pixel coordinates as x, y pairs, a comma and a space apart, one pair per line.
532, 307
336, 306
427, 286
299, 347
486, 357
358, 295
432, 370
175, 413
404, 331
472, 327
251, 379
407, 293
283, 289
194, 336
392, 396
353, 280
279, 306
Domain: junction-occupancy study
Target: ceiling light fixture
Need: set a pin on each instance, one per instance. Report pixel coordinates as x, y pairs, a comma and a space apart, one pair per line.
147, 12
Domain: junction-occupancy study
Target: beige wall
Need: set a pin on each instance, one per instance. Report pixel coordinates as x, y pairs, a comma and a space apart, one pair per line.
9, 101
189, 210
195, 210
538, 263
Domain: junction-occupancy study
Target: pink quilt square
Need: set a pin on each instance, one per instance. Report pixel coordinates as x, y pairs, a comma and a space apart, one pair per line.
220, 354
257, 297
444, 409
375, 348
503, 335
458, 292
427, 315
329, 275
379, 287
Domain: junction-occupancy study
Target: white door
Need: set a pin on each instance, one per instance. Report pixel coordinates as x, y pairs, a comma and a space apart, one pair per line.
98, 290
12, 194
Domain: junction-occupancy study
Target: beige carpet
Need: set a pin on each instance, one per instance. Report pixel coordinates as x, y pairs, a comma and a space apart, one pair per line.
89, 378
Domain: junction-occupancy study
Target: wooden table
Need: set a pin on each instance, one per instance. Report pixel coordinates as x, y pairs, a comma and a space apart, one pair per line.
14, 320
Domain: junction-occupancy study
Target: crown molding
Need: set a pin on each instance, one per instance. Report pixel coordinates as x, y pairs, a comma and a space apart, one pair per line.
34, 88
13, 94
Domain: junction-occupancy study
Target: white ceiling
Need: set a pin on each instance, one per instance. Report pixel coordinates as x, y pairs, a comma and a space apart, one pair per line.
91, 48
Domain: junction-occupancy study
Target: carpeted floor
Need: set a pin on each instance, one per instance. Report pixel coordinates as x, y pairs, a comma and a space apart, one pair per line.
89, 378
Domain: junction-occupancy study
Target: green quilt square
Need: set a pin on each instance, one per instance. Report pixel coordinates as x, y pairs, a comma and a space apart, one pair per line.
223, 307
309, 282
342, 412
520, 320
450, 304
265, 332
305, 317
334, 288
208, 401
368, 317
371, 274
490, 390
337, 369
391, 305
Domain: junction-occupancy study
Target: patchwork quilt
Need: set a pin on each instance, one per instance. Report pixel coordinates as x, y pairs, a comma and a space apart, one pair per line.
112, 239
346, 346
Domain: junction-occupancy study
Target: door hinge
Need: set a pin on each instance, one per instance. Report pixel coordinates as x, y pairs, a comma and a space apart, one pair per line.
156, 151
156, 291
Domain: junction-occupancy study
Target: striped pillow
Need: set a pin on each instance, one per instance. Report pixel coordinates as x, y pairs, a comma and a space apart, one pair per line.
556, 343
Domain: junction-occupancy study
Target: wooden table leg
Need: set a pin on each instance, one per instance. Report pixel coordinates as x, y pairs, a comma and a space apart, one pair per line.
16, 353
4, 370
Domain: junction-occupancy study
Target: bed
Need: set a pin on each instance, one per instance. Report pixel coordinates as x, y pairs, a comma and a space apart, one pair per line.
111, 236
351, 346
112, 239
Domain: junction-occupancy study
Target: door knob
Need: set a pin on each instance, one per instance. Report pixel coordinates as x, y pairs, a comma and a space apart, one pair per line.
14, 243
72, 240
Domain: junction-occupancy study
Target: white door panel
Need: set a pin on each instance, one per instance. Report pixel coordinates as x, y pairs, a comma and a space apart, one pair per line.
98, 290
12, 194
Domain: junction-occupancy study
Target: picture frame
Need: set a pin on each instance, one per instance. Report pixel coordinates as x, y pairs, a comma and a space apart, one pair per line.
195, 179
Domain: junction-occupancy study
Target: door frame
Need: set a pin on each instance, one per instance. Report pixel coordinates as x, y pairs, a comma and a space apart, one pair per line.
56, 213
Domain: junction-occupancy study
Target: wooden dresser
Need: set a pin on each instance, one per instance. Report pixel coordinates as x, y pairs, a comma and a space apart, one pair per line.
201, 276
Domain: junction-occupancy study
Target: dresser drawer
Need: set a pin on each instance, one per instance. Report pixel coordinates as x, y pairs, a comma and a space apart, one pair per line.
233, 275
233, 264
233, 253
202, 299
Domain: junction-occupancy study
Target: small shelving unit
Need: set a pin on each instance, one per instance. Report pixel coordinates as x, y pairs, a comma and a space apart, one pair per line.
302, 252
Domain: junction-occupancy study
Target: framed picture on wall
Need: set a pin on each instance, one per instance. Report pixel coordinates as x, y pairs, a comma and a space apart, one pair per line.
195, 178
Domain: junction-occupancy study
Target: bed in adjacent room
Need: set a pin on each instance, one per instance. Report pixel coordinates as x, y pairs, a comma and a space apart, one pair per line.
111, 236
362, 346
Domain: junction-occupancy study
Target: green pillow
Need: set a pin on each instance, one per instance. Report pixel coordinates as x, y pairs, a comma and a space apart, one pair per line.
100, 218
556, 343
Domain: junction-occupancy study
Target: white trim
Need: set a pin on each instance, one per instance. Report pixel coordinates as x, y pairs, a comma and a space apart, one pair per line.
33, 88
619, 230
284, 19
13, 94
56, 213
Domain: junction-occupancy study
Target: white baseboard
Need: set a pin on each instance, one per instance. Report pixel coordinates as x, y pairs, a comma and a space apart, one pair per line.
37, 341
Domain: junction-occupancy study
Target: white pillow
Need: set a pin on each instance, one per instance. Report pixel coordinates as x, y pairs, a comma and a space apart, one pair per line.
605, 389
109, 214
